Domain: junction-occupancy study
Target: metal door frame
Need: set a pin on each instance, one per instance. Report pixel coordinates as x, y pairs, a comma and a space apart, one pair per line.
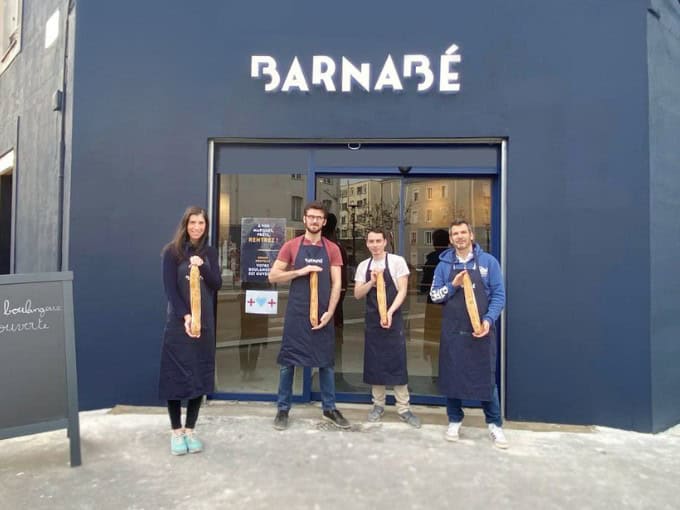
498, 214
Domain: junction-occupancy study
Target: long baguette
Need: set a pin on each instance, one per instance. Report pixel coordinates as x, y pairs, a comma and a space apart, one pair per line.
471, 303
382, 298
314, 299
195, 298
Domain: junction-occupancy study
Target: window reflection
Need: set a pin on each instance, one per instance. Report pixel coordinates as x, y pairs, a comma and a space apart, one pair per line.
247, 343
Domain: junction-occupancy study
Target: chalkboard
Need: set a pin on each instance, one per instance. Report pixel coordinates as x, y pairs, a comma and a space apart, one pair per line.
37, 357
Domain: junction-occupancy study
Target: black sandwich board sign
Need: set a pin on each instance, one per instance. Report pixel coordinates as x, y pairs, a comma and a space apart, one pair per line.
38, 357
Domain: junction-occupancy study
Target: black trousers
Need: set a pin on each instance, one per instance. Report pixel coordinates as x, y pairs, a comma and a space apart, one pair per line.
175, 412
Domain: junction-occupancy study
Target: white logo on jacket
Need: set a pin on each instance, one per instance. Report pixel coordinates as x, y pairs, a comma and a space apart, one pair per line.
484, 271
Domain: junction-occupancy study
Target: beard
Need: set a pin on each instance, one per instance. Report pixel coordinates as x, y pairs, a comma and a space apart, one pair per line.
313, 229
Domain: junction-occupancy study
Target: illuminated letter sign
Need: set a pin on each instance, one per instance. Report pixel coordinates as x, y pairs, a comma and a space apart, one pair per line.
394, 74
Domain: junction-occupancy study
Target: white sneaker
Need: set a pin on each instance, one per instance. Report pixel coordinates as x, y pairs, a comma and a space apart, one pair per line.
452, 431
498, 437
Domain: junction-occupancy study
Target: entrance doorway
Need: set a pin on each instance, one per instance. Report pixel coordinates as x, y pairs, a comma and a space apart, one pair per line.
6, 208
265, 185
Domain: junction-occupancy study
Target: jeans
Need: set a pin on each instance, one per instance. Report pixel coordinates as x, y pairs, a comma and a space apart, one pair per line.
326, 382
492, 409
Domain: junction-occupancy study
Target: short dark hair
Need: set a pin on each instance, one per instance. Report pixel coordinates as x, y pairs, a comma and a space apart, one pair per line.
316, 205
376, 230
460, 221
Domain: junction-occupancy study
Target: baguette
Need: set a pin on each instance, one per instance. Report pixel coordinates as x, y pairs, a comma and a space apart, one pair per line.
195, 298
314, 299
471, 304
382, 298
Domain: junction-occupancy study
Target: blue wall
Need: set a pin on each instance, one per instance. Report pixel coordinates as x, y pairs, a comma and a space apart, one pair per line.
565, 82
664, 115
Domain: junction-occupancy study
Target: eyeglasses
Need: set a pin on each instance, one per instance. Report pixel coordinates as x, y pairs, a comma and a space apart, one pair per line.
314, 218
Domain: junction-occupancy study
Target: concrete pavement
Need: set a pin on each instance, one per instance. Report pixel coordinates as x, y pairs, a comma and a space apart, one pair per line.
312, 465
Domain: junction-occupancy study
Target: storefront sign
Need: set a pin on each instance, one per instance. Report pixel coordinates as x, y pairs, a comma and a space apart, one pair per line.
38, 357
261, 239
392, 75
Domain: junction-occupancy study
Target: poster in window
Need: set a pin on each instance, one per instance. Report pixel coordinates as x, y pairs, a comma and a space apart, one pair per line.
261, 240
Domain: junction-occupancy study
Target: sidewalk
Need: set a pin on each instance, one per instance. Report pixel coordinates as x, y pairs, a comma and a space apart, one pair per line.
247, 464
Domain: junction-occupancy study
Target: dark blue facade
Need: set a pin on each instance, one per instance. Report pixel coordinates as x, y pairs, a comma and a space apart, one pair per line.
664, 118
592, 291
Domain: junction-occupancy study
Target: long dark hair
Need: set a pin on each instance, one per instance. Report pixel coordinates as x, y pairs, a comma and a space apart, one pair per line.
181, 237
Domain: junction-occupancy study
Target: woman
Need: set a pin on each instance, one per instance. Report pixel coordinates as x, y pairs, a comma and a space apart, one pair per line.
188, 361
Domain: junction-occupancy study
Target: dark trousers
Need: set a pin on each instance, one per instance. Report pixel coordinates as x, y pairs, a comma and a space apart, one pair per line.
175, 412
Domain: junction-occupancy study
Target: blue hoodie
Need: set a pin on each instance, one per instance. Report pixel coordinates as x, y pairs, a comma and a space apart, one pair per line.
442, 289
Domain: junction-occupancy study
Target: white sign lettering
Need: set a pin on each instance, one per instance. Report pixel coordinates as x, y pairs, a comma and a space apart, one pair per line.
392, 75
24, 310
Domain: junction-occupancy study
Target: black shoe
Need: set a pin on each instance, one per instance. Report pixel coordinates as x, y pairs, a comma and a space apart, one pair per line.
281, 420
336, 418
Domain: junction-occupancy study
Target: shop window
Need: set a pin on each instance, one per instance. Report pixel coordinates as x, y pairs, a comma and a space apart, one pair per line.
6, 194
296, 209
10, 31
251, 206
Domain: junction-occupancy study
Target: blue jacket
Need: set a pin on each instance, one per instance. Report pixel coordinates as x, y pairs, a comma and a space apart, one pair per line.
442, 288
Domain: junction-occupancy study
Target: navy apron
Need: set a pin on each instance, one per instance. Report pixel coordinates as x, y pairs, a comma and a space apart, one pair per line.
188, 364
300, 346
385, 349
467, 365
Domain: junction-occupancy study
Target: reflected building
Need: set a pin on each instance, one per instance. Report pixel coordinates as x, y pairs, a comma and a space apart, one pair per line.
263, 196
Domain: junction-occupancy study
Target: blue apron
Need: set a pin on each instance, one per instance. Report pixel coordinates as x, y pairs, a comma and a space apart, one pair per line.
188, 364
300, 346
467, 365
385, 349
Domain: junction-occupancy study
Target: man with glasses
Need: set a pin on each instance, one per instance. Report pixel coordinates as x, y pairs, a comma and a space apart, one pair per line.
302, 344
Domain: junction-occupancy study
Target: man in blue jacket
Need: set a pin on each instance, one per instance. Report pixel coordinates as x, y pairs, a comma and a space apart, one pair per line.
467, 360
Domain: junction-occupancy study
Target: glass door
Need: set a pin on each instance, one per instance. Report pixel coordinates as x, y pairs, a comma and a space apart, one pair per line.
416, 213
